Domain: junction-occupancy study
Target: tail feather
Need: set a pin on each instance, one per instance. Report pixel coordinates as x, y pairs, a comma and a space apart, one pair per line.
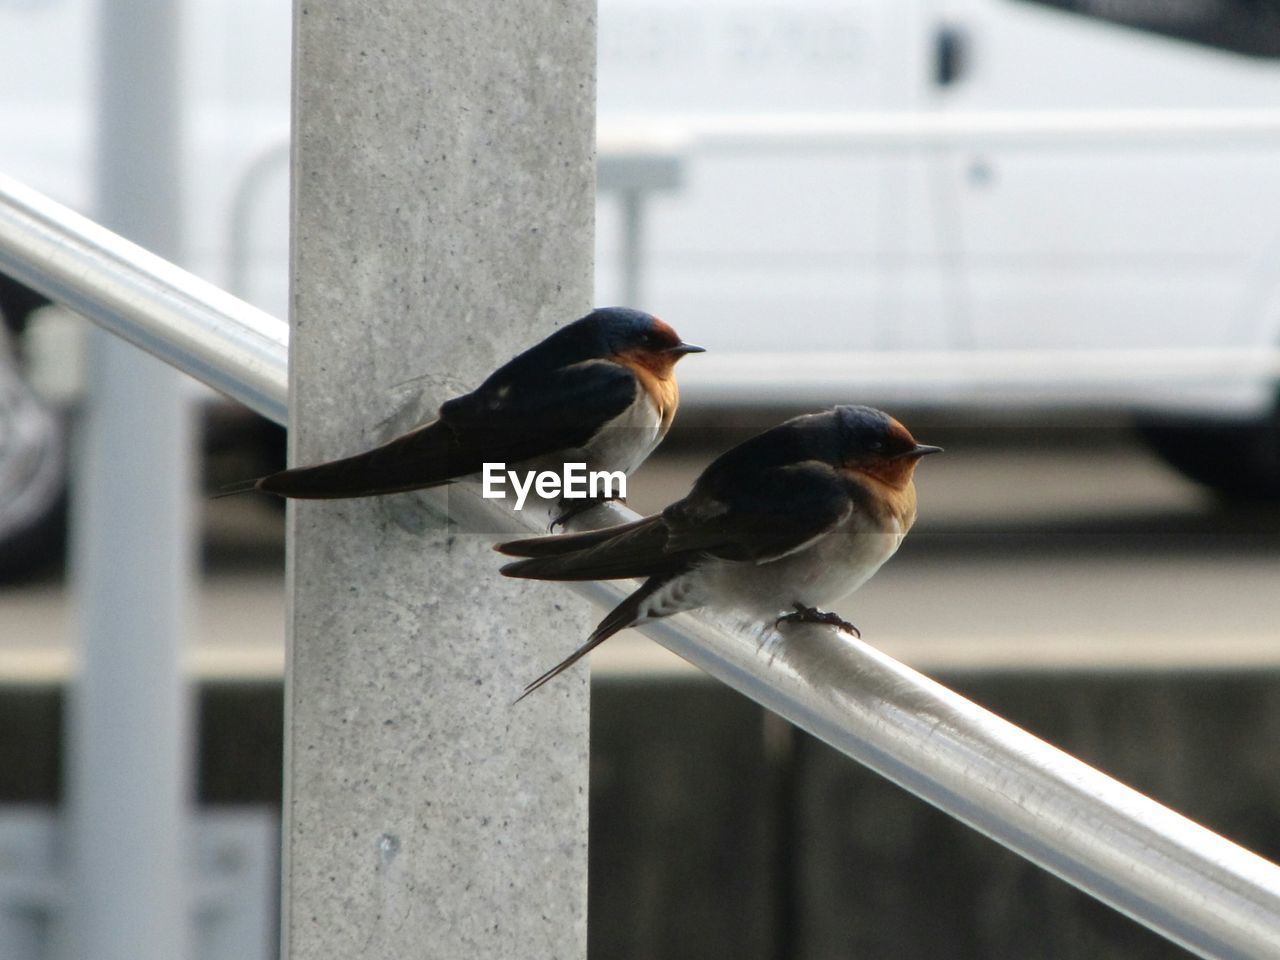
234, 489
625, 614
562, 543
632, 550
426, 457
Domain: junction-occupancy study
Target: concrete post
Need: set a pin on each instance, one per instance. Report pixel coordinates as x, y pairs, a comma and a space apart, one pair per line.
443, 214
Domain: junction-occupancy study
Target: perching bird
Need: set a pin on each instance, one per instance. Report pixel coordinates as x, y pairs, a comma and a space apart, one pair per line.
792, 519
600, 391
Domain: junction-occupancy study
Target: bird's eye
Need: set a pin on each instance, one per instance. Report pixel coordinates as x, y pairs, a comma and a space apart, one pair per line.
876, 445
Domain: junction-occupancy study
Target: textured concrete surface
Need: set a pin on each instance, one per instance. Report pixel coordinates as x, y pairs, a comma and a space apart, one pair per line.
443, 222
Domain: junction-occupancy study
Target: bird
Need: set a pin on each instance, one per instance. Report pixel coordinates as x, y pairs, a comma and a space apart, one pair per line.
601, 391
792, 519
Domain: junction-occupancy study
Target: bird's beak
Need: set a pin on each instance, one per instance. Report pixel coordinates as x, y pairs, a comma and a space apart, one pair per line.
680, 349
922, 450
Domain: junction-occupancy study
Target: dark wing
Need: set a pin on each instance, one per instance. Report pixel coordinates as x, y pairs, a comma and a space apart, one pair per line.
761, 515
766, 516
522, 418
499, 423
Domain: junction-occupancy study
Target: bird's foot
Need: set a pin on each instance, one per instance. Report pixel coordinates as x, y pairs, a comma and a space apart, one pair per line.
578, 508
805, 614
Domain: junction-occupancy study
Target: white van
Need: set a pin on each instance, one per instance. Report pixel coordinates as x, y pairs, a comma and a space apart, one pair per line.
1048, 233
983, 203
994, 204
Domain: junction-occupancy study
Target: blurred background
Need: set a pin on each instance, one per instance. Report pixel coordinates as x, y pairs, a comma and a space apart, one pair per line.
1043, 233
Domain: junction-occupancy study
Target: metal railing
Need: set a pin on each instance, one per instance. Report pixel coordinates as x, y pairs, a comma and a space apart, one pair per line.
220, 340
804, 132
1165, 871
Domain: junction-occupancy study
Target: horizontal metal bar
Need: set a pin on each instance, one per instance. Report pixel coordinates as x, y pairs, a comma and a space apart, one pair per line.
790, 376
190, 324
1182, 880
1085, 367
652, 135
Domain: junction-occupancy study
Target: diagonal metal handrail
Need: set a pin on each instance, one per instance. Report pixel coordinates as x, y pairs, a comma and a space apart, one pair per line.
232, 346
1173, 875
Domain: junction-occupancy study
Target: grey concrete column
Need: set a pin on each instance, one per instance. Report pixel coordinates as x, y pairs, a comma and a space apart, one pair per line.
443, 213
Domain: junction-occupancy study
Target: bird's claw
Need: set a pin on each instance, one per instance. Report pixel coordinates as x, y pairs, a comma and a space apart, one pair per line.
805, 614
579, 508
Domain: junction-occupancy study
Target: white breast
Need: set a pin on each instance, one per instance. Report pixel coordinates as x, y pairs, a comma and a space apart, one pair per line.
817, 576
626, 440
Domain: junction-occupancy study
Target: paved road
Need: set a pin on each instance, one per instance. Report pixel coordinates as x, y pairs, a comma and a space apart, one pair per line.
1057, 547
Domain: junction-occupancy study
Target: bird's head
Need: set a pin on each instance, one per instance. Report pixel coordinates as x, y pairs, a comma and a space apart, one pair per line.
873, 443
639, 337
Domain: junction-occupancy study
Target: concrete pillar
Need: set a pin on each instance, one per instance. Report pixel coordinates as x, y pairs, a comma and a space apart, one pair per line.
443, 221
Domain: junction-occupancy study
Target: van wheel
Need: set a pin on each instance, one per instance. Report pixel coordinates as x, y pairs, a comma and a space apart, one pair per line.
33, 482
33, 455
1240, 461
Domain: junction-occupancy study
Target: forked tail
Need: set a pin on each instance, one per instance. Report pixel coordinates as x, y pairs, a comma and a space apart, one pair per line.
625, 614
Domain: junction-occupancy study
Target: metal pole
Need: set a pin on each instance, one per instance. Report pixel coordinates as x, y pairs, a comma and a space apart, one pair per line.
129, 749
443, 220
813, 377
270, 163
879, 131
632, 245
634, 174
1165, 871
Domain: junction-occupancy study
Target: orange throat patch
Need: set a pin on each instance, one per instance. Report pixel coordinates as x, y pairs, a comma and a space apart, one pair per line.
896, 473
891, 482
656, 373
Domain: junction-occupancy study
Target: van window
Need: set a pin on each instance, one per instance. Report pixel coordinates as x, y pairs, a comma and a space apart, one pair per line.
1251, 27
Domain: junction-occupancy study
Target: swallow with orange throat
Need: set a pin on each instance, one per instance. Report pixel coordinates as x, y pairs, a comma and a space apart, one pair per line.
776, 528
601, 392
